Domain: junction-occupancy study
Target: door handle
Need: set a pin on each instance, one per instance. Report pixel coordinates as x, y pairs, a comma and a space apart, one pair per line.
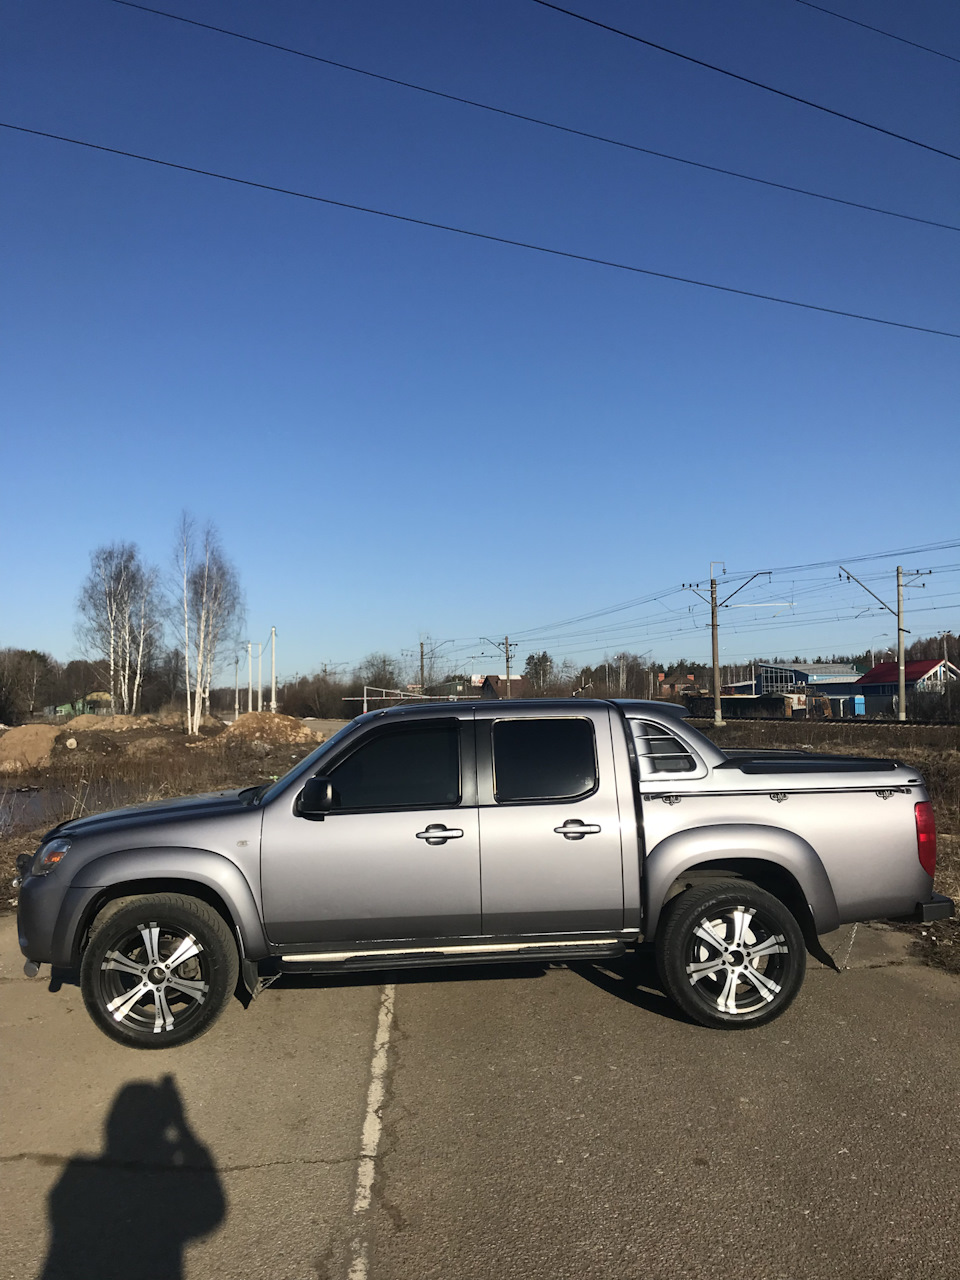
437, 833
574, 829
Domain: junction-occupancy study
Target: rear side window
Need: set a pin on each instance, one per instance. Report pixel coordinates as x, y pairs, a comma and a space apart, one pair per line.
407, 767
659, 751
550, 759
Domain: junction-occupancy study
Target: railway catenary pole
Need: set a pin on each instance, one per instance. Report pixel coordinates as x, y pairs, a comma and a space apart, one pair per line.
901, 664
273, 670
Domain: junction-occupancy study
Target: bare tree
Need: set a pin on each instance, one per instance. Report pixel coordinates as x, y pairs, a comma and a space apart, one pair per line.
26, 677
118, 616
212, 608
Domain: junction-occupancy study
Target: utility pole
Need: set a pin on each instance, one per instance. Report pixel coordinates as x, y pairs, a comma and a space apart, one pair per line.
715, 606
273, 670
259, 675
901, 664
423, 679
236, 688
717, 711
901, 629
249, 676
505, 648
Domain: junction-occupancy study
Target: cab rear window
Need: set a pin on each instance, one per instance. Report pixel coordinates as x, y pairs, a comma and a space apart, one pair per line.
548, 759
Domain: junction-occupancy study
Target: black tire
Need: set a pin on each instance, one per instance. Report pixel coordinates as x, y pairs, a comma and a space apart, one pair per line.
131, 990
730, 954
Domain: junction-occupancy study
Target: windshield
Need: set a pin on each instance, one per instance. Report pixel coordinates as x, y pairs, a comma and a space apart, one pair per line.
266, 792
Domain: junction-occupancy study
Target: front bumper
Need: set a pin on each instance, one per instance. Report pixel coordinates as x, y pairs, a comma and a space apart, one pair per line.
49, 918
939, 907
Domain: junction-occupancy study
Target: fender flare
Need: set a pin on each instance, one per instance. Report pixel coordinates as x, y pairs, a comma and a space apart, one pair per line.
722, 844
147, 865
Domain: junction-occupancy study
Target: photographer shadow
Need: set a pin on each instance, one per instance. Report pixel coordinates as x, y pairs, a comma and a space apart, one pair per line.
132, 1211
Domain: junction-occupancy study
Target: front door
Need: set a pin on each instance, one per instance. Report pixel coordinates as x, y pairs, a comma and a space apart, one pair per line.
550, 845
398, 856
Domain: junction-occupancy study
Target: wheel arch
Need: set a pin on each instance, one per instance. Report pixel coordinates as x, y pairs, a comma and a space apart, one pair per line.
778, 861
118, 878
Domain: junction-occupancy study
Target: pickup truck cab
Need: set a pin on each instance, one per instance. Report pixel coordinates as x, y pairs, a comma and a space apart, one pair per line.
488, 831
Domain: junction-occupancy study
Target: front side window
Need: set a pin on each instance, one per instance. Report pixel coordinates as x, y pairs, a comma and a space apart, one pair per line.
550, 759
659, 751
413, 766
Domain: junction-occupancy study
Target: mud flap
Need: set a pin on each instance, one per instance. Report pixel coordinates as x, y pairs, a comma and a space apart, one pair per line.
253, 980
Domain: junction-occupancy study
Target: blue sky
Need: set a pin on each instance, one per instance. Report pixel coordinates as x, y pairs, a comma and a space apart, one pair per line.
400, 431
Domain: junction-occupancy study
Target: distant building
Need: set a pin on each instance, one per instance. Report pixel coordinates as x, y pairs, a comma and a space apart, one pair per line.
670, 683
496, 687
880, 687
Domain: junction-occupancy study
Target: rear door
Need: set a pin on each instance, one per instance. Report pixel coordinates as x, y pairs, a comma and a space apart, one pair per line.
550, 841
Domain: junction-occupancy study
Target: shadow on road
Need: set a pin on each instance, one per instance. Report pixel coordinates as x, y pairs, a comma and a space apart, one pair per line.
632, 978
131, 1211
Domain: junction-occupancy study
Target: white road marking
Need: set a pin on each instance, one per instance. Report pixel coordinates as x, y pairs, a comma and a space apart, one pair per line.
370, 1135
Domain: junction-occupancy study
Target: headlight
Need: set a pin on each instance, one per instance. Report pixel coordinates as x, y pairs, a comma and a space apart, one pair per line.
48, 855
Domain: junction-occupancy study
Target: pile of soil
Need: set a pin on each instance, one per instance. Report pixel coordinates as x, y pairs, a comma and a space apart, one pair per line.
263, 726
27, 747
84, 723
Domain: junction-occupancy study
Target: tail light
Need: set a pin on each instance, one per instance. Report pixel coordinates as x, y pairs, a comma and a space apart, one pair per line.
926, 836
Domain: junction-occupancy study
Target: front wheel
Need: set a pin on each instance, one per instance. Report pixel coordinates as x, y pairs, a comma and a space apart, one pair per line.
159, 971
730, 955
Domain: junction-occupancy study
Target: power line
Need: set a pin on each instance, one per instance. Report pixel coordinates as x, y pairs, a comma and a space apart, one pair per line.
757, 84
875, 555
482, 235
867, 27
666, 592
536, 120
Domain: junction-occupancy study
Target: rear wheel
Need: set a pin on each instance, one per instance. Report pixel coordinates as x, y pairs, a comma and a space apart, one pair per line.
730, 954
159, 971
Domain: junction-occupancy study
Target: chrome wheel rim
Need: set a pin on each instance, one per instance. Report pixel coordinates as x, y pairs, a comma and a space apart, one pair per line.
155, 979
736, 961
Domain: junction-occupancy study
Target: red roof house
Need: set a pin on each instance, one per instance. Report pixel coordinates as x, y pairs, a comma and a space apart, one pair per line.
921, 674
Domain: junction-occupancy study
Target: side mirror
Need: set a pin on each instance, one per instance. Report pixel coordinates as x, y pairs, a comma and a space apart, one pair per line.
316, 799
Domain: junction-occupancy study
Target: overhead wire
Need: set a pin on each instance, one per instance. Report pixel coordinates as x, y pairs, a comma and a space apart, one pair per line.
734, 75
831, 592
483, 235
536, 120
844, 17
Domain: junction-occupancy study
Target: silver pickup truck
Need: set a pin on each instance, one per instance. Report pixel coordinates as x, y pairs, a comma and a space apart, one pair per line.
456, 833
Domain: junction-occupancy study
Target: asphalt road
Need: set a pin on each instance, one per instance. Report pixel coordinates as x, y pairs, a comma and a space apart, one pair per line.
515, 1122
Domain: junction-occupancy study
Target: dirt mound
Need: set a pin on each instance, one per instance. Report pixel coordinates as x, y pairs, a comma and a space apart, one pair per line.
262, 726
88, 721
117, 724
27, 747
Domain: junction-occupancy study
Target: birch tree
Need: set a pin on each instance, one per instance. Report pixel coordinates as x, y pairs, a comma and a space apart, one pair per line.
211, 609
118, 619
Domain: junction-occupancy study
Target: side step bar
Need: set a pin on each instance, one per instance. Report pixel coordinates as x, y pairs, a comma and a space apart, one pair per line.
412, 957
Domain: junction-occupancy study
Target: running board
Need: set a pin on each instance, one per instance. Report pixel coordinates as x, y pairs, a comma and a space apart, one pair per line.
410, 957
